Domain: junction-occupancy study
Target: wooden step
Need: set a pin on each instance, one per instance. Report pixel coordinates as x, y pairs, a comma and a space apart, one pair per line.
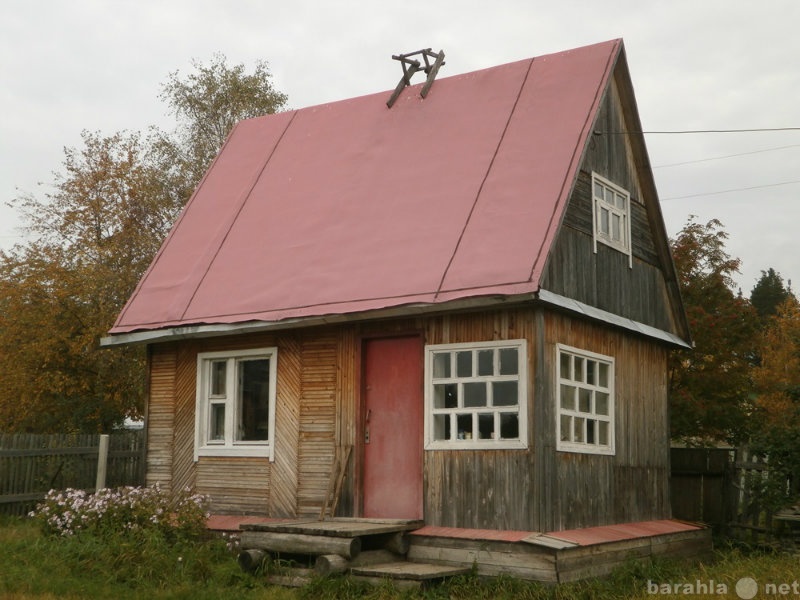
409, 570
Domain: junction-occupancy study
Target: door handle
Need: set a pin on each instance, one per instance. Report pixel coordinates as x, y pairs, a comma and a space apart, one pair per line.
366, 434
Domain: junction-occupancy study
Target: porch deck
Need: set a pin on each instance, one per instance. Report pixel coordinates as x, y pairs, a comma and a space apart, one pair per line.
413, 553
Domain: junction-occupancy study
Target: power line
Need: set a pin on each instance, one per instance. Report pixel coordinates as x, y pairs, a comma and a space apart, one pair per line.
690, 131
700, 160
744, 189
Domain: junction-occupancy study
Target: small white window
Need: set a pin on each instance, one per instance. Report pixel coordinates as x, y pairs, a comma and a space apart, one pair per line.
235, 413
611, 213
476, 395
585, 401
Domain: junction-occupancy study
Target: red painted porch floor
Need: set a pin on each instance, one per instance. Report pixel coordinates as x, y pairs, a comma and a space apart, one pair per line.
624, 531
578, 537
234, 522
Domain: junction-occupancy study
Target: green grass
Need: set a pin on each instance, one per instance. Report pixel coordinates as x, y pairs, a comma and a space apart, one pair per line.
83, 567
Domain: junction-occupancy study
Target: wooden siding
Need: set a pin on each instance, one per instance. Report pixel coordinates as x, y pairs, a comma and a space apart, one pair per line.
317, 419
282, 497
604, 278
479, 489
183, 473
161, 416
240, 485
319, 395
609, 151
632, 485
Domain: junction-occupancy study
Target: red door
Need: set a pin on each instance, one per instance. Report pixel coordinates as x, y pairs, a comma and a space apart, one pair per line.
392, 428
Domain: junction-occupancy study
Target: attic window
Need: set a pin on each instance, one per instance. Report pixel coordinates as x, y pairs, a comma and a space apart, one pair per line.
611, 209
411, 65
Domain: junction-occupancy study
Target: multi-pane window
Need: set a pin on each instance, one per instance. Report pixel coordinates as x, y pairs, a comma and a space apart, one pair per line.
236, 403
476, 395
611, 208
585, 401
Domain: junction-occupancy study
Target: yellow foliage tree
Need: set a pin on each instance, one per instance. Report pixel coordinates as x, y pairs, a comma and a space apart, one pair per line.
92, 238
777, 377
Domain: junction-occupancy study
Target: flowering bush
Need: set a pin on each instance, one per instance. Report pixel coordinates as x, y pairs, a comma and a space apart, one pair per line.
123, 510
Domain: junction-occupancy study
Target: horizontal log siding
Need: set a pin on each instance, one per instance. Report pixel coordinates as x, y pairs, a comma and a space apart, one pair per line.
318, 418
632, 485
235, 485
161, 416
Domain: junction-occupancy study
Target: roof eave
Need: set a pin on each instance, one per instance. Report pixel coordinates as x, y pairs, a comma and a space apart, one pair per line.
207, 330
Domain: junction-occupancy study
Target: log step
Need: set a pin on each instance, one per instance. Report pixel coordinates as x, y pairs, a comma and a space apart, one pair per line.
409, 570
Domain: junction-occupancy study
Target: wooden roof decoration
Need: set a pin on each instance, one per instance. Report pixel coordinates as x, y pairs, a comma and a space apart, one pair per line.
411, 66
351, 207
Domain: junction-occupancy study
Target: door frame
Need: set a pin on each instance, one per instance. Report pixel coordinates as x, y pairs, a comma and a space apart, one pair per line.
360, 412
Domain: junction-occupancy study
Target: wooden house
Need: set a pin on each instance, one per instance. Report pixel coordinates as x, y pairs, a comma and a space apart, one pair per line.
472, 291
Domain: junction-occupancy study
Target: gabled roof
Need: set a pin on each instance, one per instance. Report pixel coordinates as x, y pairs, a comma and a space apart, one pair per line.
351, 206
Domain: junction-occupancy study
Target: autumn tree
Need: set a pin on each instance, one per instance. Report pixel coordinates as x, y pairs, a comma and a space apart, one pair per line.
710, 388
769, 293
93, 236
777, 416
206, 104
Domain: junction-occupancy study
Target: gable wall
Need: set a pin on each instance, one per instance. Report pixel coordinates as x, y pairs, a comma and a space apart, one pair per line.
318, 394
604, 278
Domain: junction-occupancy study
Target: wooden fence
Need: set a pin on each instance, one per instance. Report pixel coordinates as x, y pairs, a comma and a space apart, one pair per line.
33, 464
701, 486
723, 487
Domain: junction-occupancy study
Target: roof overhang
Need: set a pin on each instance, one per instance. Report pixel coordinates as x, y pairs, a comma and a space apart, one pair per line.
207, 330
604, 316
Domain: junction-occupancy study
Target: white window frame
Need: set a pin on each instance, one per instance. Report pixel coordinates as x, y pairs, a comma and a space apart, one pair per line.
203, 446
600, 205
593, 389
521, 409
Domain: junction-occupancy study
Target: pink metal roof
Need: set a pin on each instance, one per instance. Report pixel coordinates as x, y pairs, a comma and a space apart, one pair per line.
351, 206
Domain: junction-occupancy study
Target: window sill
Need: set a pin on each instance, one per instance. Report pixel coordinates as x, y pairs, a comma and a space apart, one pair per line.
477, 445
254, 451
584, 449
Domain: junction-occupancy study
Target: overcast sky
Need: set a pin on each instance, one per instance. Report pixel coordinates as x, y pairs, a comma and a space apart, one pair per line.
98, 65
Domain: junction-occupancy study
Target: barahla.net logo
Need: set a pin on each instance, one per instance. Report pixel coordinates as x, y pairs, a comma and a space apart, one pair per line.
746, 588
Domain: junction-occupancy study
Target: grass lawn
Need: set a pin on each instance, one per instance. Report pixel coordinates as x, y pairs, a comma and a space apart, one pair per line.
36, 566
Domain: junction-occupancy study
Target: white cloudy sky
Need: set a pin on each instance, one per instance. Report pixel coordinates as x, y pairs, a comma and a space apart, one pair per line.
70, 65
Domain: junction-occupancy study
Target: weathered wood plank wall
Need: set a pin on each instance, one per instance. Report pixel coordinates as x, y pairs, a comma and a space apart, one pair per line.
603, 278
539, 488
318, 416
633, 484
474, 488
161, 415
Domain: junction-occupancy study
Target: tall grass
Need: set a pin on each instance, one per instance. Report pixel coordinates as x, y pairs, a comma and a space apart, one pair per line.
125, 566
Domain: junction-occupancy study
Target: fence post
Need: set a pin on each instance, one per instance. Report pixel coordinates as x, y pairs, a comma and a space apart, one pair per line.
102, 463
